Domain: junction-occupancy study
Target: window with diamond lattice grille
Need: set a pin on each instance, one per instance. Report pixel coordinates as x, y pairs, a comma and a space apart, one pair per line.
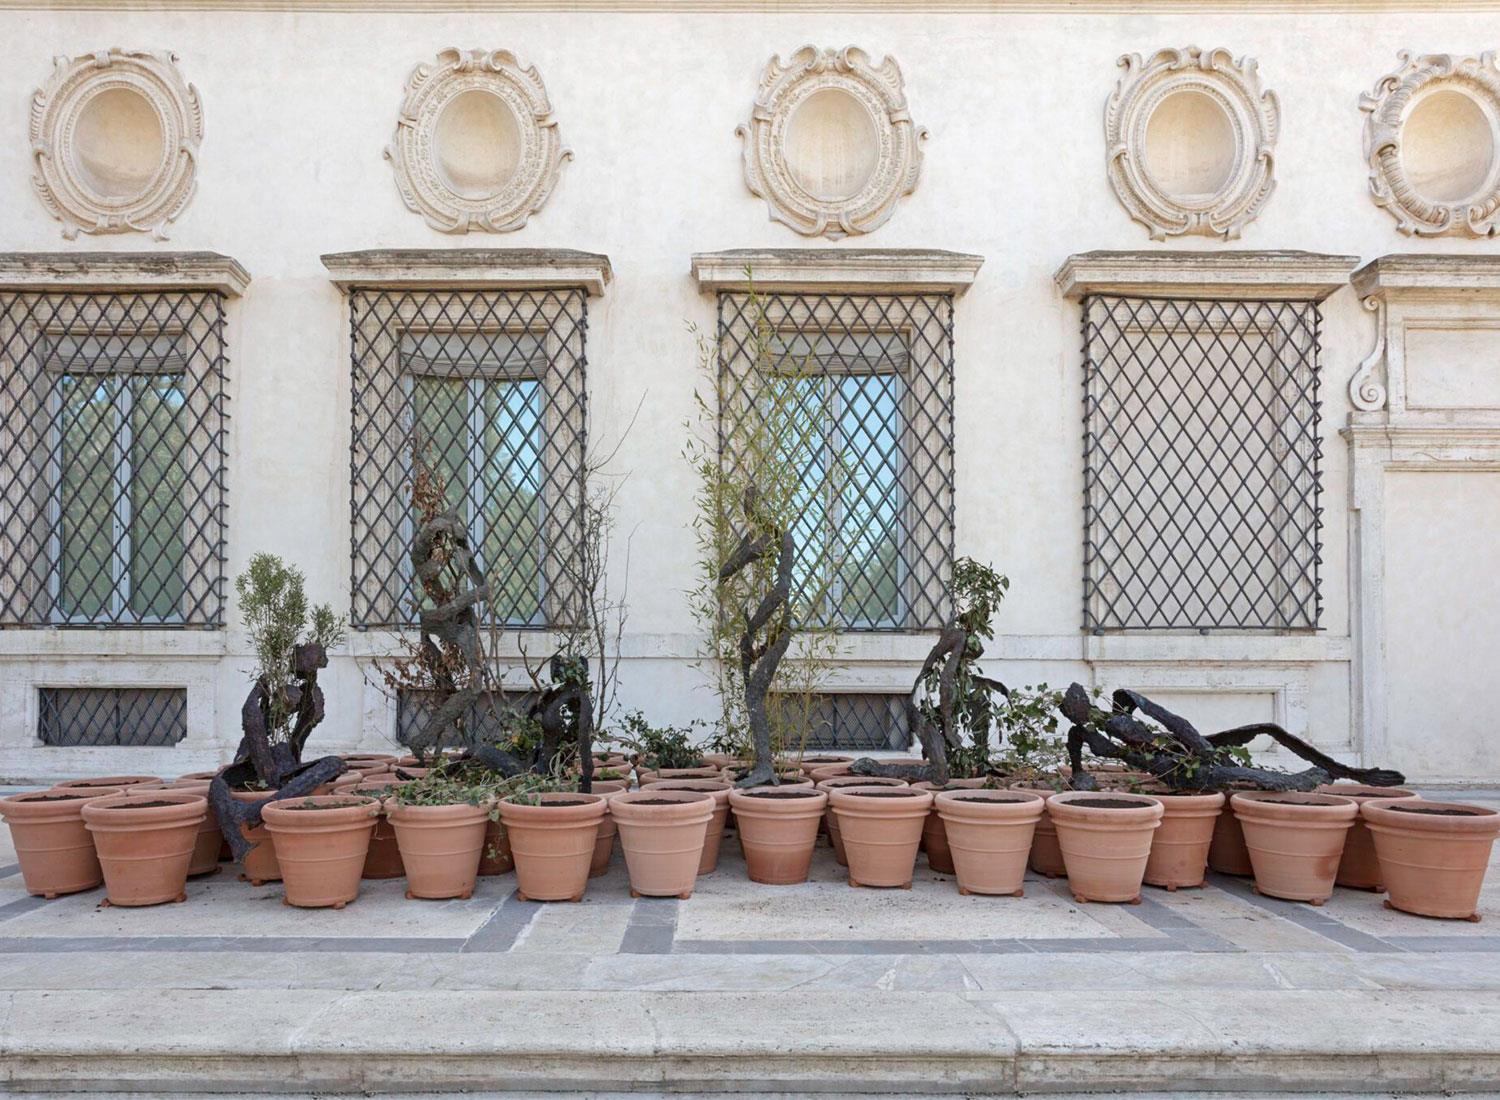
488, 387
95, 717
112, 425
484, 721
1201, 464
868, 382
863, 721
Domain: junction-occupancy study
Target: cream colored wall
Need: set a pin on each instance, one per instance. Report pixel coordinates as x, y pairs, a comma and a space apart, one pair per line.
299, 106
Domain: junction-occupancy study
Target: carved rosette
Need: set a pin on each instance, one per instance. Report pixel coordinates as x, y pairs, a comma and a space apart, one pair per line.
847, 179
1392, 182
1240, 145
516, 140
114, 142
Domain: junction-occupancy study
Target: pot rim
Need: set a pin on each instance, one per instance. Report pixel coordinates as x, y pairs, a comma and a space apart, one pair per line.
1361, 792
979, 795
765, 800
687, 806
336, 807
126, 808
1380, 815
835, 781
1287, 804
37, 808
1147, 807
105, 781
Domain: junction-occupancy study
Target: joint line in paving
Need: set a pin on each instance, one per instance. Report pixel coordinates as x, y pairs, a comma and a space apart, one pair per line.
1312, 918
652, 927
504, 926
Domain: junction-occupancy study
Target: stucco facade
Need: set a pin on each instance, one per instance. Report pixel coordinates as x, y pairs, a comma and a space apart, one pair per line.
298, 106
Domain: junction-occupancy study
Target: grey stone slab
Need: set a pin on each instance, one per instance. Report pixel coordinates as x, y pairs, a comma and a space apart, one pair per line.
504, 926
652, 927
694, 973
13, 869
21, 906
198, 944
1479, 944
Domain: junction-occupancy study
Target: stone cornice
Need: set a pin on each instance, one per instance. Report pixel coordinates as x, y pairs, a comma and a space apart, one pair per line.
1292, 276
936, 7
122, 271
886, 270
1428, 273
476, 268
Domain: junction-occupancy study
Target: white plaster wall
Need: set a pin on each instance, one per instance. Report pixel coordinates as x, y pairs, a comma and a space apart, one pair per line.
299, 106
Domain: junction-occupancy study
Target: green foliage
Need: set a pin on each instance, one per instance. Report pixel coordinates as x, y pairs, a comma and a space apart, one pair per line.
977, 592
1027, 721
273, 605
659, 746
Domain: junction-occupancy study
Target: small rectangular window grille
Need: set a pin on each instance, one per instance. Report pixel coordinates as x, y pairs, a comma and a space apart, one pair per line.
873, 380
483, 722
1201, 464
112, 441
94, 717
848, 721
489, 385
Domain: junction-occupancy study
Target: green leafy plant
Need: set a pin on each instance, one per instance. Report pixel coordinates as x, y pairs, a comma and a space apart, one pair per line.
659, 746
273, 606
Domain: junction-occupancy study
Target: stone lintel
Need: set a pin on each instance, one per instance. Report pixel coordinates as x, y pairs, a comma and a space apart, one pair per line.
1278, 275
474, 268
880, 270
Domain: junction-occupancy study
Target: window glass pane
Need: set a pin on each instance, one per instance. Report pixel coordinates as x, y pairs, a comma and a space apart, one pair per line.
512, 516
870, 580
157, 515
88, 426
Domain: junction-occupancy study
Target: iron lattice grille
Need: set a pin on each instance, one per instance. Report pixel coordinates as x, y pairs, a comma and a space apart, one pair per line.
850, 721
483, 722
490, 385
145, 717
112, 440
873, 378
1201, 464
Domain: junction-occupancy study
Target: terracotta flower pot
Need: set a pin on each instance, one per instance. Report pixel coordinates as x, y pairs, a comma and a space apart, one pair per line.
1295, 840
1046, 857
199, 776
830, 823
553, 843
881, 828
662, 834
714, 837
1433, 855
738, 772
383, 857
1227, 853
145, 843
819, 760
1179, 848
934, 835
440, 846
778, 827
988, 834
1105, 838
355, 759
650, 775
109, 781
722, 759
353, 779
1359, 869
321, 844
604, 839
210, 836
819, 772
260, 866
54, 847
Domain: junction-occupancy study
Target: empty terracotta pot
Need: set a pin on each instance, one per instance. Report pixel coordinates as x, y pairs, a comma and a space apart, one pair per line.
988, 834
321, 843
53, 845
1105, 837
145, 843
1433, 855
1227, 853
1046, 857
383, 857
116, 781
843, 780
440, 846
714, 837
934, 834
778, 827
552, 843
1295, 839
1179, 848
259, 866
1359, 869
662, 834
881, 828
210, 836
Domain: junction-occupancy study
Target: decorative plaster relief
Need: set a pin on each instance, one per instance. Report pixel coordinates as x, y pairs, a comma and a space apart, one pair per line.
1432, 140
476, 146
114, 138
1190, 137
830, 144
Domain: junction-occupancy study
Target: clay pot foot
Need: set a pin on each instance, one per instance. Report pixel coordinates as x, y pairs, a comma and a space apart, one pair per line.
466, 895
46, 897
519, 896
339, 904
576, 898
106, 904
1134, 901
1021, 893
1318, 902
1080, 899
685, 895
962, 891
634, 893
1171, 888
906, 886
252, 881
410, 896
